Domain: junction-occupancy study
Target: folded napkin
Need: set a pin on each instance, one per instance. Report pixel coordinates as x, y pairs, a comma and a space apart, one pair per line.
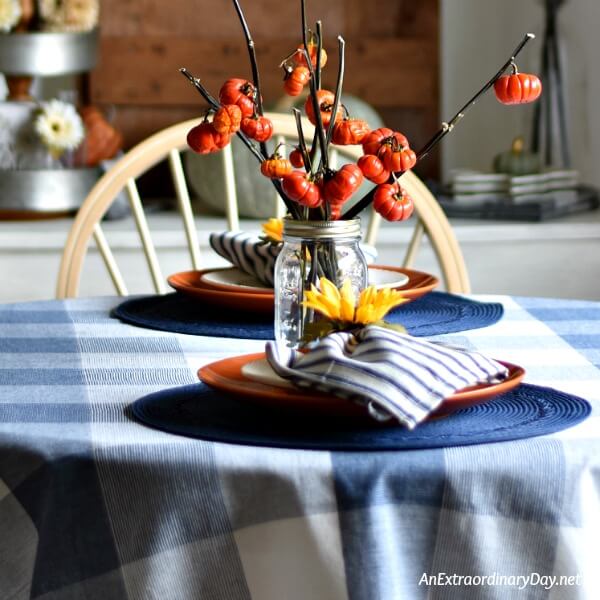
393, 374
256, 257
247, 252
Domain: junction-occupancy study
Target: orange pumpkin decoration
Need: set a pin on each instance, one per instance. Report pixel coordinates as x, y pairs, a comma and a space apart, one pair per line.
227, 119
300, 59
374, 140
204, 139
102, 140
373, 169
297, 158
397, 159
349, 131
325, 100
518, 88
240, 92
276, 167
257, 128
296, 80
392, 202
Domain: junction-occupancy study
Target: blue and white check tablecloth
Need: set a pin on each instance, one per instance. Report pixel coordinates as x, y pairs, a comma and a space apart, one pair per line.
95, 505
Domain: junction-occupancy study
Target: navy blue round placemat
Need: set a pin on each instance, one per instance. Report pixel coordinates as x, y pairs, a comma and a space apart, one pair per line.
433, 314
201, 412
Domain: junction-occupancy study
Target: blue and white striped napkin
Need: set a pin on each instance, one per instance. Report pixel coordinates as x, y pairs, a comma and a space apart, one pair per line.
256, 257
248, 253
394, 374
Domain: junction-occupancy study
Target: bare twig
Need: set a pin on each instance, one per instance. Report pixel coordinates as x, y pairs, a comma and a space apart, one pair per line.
203, 91
446, 128
302, 140
253, 64
319, 129
303, 21
319, 66
338, 88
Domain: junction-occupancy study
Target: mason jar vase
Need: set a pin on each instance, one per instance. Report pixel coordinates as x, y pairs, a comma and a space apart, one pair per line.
311, 250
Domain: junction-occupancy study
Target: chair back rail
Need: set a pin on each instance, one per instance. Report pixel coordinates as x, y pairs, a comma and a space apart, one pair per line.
185, 206
168, 144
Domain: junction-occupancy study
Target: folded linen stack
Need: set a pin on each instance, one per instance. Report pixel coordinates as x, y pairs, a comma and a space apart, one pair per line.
395, 375
474, 187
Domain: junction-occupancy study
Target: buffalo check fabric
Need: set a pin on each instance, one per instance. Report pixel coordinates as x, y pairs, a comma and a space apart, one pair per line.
94, 505
393, 374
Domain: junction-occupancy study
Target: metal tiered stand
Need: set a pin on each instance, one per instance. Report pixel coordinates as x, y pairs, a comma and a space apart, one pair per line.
29, 192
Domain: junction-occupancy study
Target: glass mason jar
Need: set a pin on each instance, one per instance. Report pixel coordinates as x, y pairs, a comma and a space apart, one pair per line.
311, 250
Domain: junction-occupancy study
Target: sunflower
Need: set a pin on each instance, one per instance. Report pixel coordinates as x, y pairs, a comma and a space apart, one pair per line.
340, 306
273, 231
10, 14
59, 126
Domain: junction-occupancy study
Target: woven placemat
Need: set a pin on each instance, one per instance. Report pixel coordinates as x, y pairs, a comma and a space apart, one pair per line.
434, 314
201, 412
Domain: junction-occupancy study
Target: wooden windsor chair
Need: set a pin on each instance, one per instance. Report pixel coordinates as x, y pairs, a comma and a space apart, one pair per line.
168, 144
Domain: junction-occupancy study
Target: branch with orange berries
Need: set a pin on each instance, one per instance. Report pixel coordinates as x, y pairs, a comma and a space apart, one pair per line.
310, 188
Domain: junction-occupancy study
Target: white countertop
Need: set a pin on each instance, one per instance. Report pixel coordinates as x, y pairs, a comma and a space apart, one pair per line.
558, 258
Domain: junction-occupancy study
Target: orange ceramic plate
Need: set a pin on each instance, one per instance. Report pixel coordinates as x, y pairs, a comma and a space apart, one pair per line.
419, 283
189, 283
192, 284
227, 376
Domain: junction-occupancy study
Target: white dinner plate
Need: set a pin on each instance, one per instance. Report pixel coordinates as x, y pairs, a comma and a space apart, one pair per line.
235, 279
260, 370
387, 279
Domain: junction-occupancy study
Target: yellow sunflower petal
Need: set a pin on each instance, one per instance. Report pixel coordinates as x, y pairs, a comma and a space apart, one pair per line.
348, 301
366, 295
325, 304
329, 289
273, 229
313, 299
374, 304
320, 308
364, 314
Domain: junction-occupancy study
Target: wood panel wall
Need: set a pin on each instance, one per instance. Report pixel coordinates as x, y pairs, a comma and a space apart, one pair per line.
391, 60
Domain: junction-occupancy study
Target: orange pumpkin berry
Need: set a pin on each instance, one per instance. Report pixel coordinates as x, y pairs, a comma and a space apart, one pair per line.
397, 160
518, 88
296, 80
257, 128
299, 57
349, 131
296, 158
373, 169
202, 139
392, 202
227, 119
325, 100
302, 190
240, 92
276, 167
339, 188
373, 141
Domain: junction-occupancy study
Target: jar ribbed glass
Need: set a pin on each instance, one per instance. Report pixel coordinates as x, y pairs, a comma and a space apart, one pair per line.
311, 250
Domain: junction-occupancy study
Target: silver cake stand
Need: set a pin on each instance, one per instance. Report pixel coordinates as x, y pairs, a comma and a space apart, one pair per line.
38, 192
48, 54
